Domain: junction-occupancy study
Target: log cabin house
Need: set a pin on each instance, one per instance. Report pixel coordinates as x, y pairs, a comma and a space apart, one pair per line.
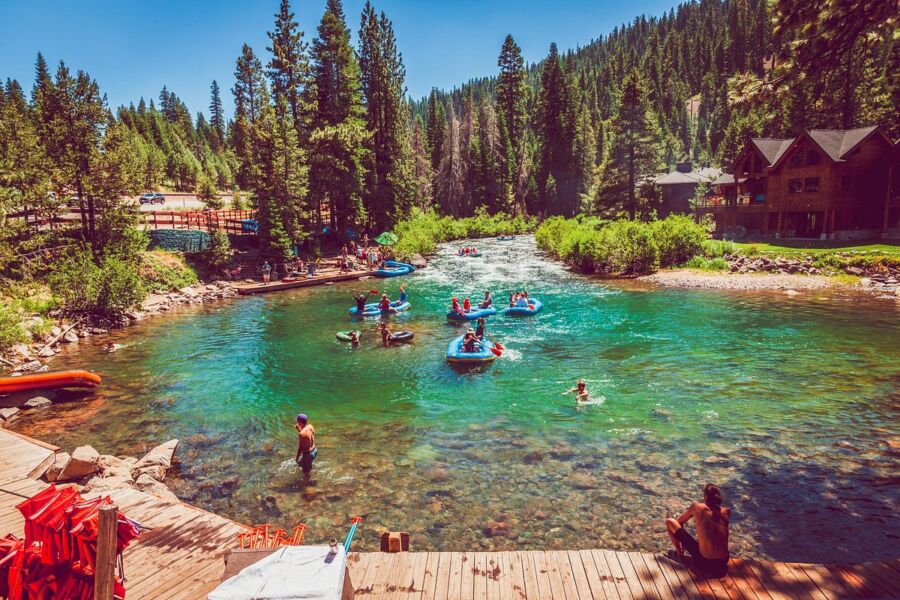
824, 183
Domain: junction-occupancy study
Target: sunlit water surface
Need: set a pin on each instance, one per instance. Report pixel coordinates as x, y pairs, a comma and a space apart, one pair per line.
790, 404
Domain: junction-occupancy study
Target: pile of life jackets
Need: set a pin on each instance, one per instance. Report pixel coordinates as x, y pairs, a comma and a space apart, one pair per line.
58, 557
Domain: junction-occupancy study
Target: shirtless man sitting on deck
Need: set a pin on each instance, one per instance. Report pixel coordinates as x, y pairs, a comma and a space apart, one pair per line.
710, 554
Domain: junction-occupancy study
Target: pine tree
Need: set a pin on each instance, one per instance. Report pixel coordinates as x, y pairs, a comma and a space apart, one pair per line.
338, 135
289, 70
449, 187
437, 126
556, 138
216, 116
423, 174
634, 153
251, 96
491, 163
389, 190
510, 96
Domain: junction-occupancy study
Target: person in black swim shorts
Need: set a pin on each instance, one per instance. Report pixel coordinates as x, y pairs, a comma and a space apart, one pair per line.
709, 553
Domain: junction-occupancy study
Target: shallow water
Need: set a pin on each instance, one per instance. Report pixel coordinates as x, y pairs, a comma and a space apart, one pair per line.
792, 405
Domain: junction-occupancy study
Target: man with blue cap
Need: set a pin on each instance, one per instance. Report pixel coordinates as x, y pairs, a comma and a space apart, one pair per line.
306, 446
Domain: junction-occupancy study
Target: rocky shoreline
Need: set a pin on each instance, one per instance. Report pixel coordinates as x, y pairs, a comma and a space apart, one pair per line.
746, 273
32, 357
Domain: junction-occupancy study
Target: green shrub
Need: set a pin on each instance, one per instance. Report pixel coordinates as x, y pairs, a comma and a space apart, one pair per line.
752, 250
717, 248
707, 264
631, 248
422, 231
104, 289
11, 332
219, 254
678, 238
166, 271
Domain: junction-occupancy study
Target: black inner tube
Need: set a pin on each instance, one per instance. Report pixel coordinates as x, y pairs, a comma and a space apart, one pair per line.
401, 336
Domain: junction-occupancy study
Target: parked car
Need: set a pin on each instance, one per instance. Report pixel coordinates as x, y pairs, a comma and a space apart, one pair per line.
73, 202
153, 198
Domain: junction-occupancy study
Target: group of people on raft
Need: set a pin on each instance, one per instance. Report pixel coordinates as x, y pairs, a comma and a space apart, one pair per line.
385, 305
467, 250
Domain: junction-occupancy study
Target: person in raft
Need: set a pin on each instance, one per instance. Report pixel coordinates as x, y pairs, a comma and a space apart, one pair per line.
467, 305
360, 300
266, 272
384, 305
580, 391
455, 305
306, 446
385, 334
479, 328
487, 301
709, 554
470, 341
354, 338
403, 295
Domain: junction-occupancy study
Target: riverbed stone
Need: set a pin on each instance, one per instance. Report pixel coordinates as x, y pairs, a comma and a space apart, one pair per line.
157, 462
83, 462
151, 486
8, 413
107, 484
21, 350
38, 402
32, 366
70, 337
113, 466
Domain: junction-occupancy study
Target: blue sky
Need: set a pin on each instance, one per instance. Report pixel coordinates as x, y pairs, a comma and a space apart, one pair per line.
135, 47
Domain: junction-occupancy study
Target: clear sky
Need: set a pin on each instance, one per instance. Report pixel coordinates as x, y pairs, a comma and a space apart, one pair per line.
134, 47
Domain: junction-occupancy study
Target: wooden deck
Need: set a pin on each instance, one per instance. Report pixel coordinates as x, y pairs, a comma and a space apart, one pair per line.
327, 276
181, 558
595, 574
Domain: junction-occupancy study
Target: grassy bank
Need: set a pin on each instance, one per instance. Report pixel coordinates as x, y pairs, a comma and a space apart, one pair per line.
422, 231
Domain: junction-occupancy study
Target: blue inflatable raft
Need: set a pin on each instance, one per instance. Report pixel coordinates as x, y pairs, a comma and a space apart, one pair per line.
524, 311
482, 355
394, 269
506, 239
372, 309
475, 313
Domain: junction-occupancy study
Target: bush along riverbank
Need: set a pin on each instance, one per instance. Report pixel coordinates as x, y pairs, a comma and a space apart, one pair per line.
422, 231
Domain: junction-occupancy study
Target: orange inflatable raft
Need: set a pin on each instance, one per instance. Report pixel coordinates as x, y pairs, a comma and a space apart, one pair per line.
47, 381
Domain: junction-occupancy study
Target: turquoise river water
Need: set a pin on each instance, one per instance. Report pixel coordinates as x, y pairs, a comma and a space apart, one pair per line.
792, 405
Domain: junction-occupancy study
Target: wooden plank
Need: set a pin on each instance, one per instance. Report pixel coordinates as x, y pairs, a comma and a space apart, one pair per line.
357, 563
479, 575
454, 589
494, 573
689, 582
604, 557
377, 565
767, 577
557, 587
646, 578
467, 582
516, 568
631, 577
532, 588
405, 582
679, 588
580, 576
751, 583
828, 584
851, 581
874, 578
542, 575
599, 579
429, 578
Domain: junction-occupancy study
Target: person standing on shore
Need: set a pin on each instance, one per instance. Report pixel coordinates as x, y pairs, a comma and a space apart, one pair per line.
266, 272
306, 446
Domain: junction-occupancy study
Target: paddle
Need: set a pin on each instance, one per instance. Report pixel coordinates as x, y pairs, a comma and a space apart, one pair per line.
497, 349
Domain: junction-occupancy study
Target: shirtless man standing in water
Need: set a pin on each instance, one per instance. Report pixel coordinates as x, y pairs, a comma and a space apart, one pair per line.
710, 553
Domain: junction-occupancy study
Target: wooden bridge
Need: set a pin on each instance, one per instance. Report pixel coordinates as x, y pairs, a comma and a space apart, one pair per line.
181, 557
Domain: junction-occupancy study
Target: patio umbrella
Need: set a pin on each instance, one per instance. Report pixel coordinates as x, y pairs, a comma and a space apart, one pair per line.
386, 239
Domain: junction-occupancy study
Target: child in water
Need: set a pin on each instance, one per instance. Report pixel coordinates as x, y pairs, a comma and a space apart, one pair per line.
580, 391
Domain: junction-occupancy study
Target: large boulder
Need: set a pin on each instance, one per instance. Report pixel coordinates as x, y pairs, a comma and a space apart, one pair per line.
8, 413
38, 402
60, 460
111, 466
147, 484
156, 462
85, 461
107, 484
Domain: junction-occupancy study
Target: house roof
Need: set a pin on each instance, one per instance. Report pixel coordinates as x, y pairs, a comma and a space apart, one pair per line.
706, 174
838, 142
772, 149
724, 179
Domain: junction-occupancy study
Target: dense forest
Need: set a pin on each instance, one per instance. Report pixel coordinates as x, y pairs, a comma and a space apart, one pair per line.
324, 135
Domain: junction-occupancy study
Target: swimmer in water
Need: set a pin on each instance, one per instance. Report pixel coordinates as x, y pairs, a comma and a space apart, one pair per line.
580, 391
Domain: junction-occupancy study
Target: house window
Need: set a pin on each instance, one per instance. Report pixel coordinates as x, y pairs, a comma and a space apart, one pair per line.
795, 186
811, 185
796, 159
845, 183
813, 158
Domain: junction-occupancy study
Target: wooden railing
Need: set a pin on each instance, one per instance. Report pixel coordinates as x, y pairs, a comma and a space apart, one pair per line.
235, 222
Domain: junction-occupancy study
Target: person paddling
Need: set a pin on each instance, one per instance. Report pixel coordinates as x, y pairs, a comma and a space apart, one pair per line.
306, 446
360, 300
479, 328
487, 301
580, 391
709, 554
470, 340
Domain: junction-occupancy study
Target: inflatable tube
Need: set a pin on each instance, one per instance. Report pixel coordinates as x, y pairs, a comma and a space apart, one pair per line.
344, 336
372, 309
475, 313
401, 336
506, 239
474, 254
483, 355
49, 381
395, 269
522, 311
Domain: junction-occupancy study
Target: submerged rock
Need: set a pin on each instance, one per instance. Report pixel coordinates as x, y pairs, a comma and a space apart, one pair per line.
38, 402
147, 484
157, 462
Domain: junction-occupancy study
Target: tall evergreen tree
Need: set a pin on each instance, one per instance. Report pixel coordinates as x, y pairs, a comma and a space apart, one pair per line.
251, 97
449, 184
511, 99
423, 174
634, 153
556, 138
436, 128
288, 69
338, 131
216, 115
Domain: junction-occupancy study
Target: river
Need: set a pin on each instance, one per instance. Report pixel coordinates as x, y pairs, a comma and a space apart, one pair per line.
792, 405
